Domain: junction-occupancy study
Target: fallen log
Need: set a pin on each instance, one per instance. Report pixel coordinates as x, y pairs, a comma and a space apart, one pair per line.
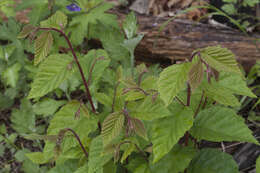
181, 37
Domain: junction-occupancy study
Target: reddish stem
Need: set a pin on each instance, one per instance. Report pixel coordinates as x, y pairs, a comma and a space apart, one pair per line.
78, 64
79, 141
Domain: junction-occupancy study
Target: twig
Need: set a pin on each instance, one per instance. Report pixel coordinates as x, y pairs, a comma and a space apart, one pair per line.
77, 62
79, 141
180, 101
198, 108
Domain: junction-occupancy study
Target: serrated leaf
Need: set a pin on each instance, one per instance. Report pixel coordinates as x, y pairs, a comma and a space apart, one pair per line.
166, 132
47, 106
172, 80
138, 127
82, 169
221, 59
11, 75
176, 161
97, 158
149, 109
235, 84
221, 124
27, 29
144, 168
220, 94
39, 157
112, 126
131, 44
213, 161
58, 21
196, 75
84, 23
42, 46
23, 119
65, 118
130, 148
94, 65
52, 72
130, 25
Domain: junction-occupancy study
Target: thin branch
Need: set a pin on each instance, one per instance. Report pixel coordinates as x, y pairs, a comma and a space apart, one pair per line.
140, 77
79, 141
136, 88
180, 101
205, 103
77, 62
198, 108
188, 95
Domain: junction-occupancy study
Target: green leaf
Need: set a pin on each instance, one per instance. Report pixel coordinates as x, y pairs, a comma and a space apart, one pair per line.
257, 165
42, 46
82, 169
112, 126
97, 158
130, 148
229, 9
7, 51
196, 75
112, 41
65, 118
29, 166
39, 157
47, 106
52, 72
130, 25
177, 160
58, 21
220, 94
213, 161
172, 80
67, 167
221, 59
166, 132
84, 23
235, 84
149, 109
11, 75
94, 65
23, 119
131, 44
142, 169
27, 30
139, 128
221, 124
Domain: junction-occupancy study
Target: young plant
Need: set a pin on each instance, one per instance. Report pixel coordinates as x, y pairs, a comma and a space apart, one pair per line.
144, 121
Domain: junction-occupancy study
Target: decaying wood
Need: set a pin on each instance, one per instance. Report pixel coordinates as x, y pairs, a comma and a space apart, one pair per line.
181, 37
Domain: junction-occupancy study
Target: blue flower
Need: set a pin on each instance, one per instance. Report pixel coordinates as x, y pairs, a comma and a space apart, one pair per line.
73, 7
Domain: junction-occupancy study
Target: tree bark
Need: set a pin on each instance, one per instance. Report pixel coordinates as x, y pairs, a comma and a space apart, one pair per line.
181, 37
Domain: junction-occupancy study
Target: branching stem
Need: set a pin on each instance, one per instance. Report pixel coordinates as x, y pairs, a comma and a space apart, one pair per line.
78, 64
79, 141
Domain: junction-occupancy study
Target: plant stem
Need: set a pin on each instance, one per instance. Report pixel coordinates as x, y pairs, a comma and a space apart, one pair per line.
78, 64
188, 95
79, 141
198, 108
187, 135
180, 101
